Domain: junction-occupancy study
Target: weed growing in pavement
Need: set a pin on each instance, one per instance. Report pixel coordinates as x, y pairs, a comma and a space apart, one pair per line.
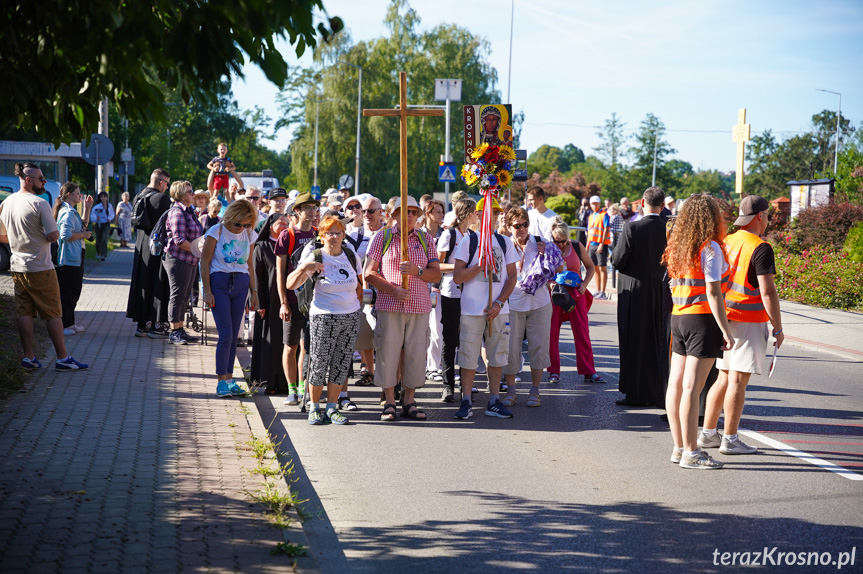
261, 447
289, 549
278, 499
232, 425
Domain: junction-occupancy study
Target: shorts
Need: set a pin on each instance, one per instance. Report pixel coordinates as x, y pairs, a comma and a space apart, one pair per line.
38, 294
696, 336
534, 325
293, 327
471, 338
599, 259
366, 337
220, 181
750, 348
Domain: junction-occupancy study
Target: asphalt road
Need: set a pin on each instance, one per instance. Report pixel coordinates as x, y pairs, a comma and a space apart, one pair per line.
580, 484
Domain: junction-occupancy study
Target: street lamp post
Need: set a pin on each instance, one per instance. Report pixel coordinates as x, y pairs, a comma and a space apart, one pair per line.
653, 179
838, 117
359, 115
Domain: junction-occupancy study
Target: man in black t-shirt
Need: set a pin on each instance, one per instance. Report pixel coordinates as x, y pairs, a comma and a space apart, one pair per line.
751, 302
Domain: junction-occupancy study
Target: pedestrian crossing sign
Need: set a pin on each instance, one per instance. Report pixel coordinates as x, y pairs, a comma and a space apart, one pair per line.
446, 173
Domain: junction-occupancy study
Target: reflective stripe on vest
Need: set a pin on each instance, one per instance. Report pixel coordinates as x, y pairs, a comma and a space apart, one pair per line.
689, 293
743, 300
595, 228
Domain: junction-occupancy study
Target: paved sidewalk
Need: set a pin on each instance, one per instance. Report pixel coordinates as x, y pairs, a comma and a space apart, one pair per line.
134, 466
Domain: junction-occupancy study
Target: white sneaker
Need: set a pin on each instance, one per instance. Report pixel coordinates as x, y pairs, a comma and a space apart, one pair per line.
78, 328
736, 447
705, 441
68, 332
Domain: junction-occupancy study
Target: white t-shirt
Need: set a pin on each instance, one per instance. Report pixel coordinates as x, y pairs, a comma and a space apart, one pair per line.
233, 250
519, 300
363, 247
540, 223
336, 286
713, 264
474, 294
26, 220
448, 288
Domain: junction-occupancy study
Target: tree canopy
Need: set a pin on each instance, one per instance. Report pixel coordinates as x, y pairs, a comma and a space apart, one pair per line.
59, 61
444, 51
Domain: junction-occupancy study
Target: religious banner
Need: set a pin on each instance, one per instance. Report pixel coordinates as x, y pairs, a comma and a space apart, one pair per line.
487, 124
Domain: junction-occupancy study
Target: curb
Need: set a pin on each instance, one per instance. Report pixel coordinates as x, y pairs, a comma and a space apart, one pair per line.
293, 534
855, 356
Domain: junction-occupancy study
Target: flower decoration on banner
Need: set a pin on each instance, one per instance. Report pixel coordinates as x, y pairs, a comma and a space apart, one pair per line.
490, 169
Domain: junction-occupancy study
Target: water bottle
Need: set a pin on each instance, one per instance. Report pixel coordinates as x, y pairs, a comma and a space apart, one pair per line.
506, 328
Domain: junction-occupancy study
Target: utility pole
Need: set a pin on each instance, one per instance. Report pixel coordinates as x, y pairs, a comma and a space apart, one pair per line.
449, 91
653, 180
102, 170
317, 105
509, 72
838, 117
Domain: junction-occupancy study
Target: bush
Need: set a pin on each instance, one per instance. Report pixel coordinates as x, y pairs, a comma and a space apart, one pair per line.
821, 276
565, 206
825, 225
854, 243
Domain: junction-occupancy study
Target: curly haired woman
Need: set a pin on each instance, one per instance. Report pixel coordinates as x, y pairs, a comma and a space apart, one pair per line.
695, 258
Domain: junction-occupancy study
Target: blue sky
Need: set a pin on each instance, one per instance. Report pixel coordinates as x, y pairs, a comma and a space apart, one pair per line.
691, 63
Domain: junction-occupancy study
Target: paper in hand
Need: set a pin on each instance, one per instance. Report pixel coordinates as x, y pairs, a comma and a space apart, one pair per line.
773, 362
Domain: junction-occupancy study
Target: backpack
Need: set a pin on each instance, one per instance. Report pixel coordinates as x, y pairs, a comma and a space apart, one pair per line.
140, 213
306, 292
451, 247
159, 235
294, 250
388, 239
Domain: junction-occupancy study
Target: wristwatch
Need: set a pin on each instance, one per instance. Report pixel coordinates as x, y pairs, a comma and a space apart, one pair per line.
499, 303
420, 272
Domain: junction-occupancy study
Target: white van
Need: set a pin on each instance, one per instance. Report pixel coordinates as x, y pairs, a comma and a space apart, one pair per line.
263, 180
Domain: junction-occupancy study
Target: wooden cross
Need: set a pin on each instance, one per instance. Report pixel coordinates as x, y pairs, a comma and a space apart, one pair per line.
402, 113
740, 134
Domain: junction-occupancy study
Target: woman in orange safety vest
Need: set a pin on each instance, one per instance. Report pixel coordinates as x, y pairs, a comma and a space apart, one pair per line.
696, 262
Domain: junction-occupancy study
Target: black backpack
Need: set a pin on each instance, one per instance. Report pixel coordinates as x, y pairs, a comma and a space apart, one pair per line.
159, 235
140, 213
306, 292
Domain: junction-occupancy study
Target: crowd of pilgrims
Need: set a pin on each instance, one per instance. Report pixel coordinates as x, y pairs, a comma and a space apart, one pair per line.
315, 287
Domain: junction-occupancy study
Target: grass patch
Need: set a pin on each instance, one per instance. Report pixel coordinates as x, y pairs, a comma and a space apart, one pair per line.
12, 376
289, 549
90, 248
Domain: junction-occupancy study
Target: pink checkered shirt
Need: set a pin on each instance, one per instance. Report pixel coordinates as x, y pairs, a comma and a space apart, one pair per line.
419, 301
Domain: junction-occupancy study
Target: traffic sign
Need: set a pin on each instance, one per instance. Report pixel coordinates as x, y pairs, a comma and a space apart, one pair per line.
316, 191
99, 152
346, 181
446, 172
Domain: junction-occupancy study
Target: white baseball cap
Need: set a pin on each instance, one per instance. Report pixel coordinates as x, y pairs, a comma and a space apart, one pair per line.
595, 199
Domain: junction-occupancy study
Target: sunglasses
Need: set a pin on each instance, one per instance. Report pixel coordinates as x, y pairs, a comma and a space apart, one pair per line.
524, 225
354, 207
371, 211
252, 198
560, 241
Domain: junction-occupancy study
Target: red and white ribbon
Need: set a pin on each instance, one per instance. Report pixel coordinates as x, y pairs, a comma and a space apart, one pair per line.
486, 231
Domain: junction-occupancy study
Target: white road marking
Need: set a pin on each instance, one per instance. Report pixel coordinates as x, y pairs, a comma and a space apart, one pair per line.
840, 470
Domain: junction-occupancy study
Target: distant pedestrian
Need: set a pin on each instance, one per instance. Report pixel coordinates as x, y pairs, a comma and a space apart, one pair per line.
599, 244
700, 332
540, 215
583, 215
148, 289
102, 216
124, 220
28, 226
70, 251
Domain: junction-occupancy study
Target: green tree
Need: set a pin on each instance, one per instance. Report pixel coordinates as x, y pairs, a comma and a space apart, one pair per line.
613, 139
61, 60
444, 51
824, 133
649, 143
565, 206
544, 160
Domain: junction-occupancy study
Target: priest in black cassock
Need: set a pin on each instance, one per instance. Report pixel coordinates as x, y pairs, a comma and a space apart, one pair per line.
643, 306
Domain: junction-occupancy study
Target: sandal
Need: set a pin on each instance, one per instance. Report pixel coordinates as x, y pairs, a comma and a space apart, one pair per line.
346, 404
554, 378
366, 380
594, 378
389, 413
509, 400
410, 411
271, 392
533, 400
